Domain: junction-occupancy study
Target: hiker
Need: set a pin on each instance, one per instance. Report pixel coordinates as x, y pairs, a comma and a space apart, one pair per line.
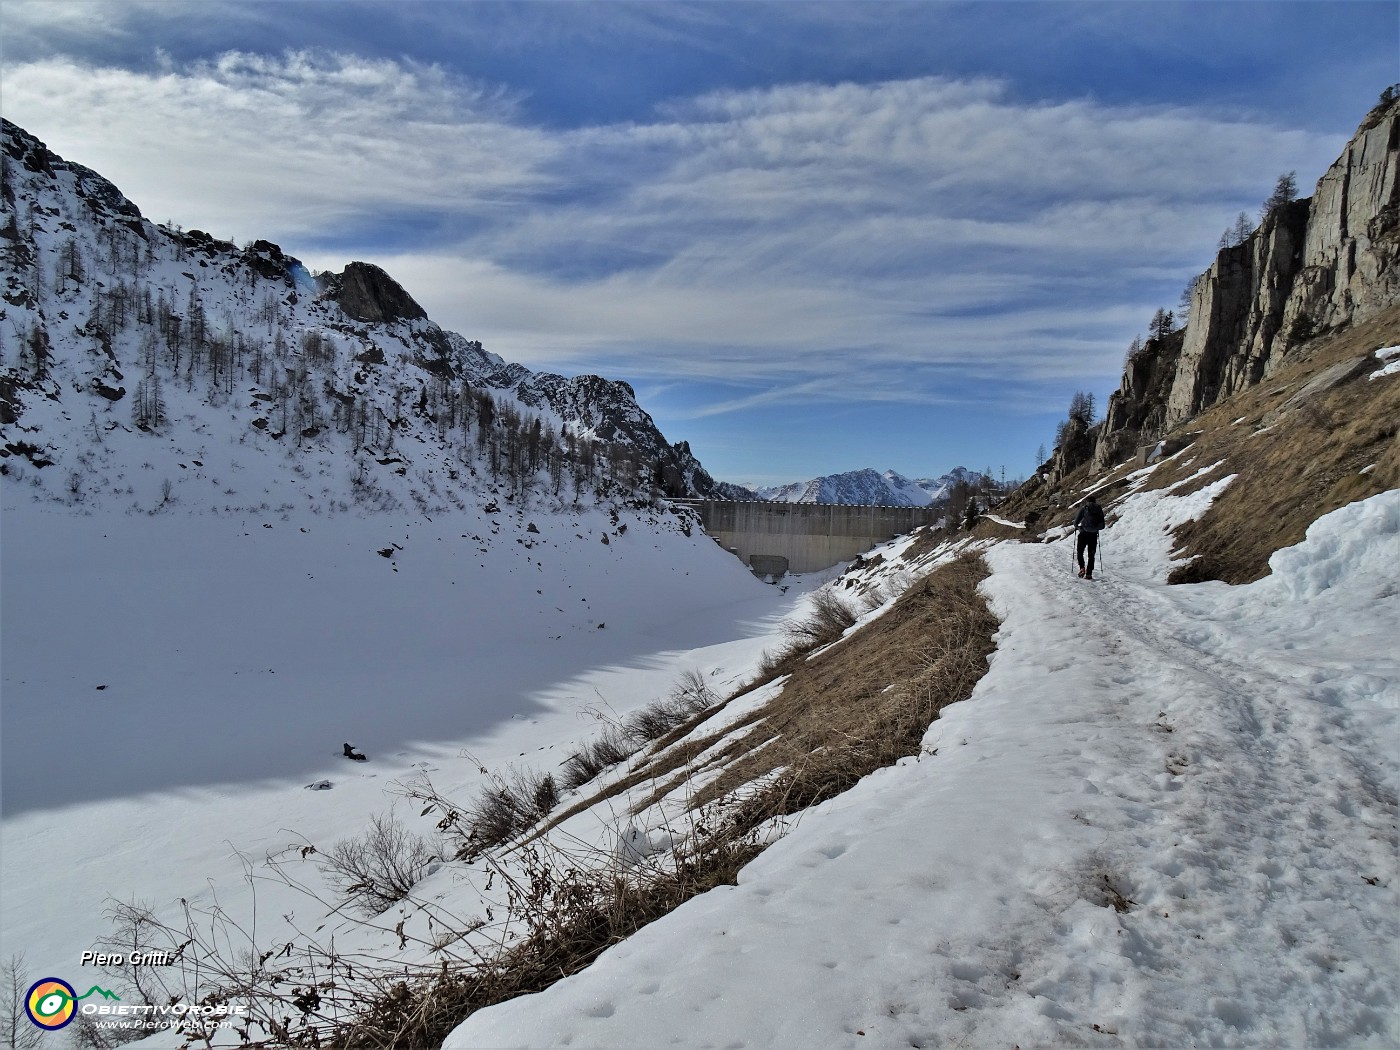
1088, 523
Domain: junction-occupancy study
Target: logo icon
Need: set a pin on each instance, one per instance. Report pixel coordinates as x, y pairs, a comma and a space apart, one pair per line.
51, 1003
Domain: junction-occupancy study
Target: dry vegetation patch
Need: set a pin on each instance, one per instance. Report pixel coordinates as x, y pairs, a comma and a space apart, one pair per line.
853, 702
859, 705
568, 915
1297, 455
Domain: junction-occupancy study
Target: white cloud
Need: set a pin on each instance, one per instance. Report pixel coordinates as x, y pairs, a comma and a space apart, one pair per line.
299, 144
795, 238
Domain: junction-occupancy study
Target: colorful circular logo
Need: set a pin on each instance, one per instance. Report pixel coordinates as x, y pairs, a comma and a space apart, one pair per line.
51, 1003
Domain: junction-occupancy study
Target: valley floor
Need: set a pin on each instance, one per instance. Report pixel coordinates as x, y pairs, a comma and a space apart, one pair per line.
1167, 816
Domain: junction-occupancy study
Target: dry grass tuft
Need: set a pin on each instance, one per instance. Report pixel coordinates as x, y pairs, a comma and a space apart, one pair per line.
691, 696
1297, 456
828, 621
568, 916
604, 751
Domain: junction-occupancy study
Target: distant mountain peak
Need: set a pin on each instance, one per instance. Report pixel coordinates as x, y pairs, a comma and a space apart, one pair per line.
867, 485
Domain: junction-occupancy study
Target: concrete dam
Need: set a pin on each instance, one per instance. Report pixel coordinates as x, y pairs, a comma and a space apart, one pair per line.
774, 538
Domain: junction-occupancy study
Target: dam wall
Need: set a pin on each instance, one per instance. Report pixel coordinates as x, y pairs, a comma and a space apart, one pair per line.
806, 536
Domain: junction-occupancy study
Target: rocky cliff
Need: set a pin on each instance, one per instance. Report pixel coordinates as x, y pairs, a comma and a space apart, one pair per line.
1313, 267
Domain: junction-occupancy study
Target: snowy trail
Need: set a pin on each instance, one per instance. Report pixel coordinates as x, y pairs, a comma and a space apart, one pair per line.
1227, 830
1217, 762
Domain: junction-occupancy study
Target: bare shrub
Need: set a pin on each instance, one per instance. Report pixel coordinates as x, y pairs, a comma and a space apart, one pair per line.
690, 696
776, 662
693, 692
376, 870
770, 664
565, 914
506, 806
134, 932
827, 621
15, 1027
875, 597
546, 795
654, 720
600, 753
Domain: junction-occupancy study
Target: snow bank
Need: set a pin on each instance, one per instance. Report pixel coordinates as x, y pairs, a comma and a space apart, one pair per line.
1354, 547
204, 670
1389, 354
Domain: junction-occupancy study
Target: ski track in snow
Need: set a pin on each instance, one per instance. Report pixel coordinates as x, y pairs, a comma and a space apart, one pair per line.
1218, 759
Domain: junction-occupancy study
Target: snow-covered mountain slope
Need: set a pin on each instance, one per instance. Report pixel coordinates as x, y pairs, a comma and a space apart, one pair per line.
871, 487
1166, 817
119, 332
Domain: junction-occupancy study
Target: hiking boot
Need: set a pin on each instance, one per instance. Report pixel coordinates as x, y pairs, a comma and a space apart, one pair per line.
1087, 575
1081, 574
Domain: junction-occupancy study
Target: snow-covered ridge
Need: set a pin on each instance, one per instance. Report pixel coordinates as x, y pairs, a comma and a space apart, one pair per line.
116, 331
872, 487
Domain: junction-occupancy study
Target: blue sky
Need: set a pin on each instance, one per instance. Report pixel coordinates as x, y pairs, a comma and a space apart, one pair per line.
814, 237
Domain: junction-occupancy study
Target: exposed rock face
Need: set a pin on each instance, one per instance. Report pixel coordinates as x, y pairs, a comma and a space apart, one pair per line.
1353, 239
367, 293
24, 149
1237, 313
1313, 266
1137, 410
267, 260
1076, 447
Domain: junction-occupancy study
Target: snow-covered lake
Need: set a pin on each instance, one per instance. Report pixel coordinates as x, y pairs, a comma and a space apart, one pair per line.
172, 682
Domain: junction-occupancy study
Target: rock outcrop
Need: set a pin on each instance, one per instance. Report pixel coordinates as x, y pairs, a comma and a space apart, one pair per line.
1236, 316
367, 293
1313, 266
1349, 268
1137, 410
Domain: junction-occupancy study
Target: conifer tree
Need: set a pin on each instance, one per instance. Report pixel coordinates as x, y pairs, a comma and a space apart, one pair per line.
1163, 321
1285, 190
